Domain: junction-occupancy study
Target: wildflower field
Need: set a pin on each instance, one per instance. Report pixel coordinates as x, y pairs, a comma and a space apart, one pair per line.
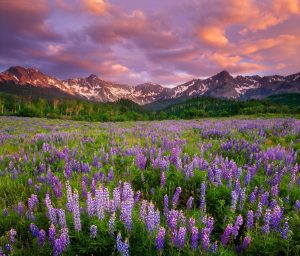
201, 187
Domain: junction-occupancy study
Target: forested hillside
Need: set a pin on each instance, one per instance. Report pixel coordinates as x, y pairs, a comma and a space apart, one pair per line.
126, 110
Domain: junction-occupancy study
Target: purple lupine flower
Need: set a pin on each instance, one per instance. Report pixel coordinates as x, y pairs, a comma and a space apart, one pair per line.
84, 191
234, 199
90, 205
205, 232
141, 161
203, 218
210, 224
69, 197
175, 198
8, 247
150, 217
274, 190
259, 211
20, 208
285, 230
143, 210
218, 174
242, 198
152, 190
286, 199
5, 212
237, 225
57, 186
163, 179
32, 202
93, 186
294, 171
172, 219
194, 237
126, 212
68, 171
276, 218
62, 218
30, 182
93, 231
157, 218
127, 192
34, 229
253, 195
137, 197
273, 203
52, 234
226, 235
106, 201
181, 218
297, 206
99, 203
61, 243
110, 175
181, 238
41, 237
246, 241
58, 247
266, 227
189, 203
96, 162
76, 211
160, 239
248, 178
214, 247
12, 235
175, 155
119, 243
111, 224
210, 175
202, 197
85, 167
166, 206
65, 236
191, 224
264, 198
122, 247
116, 202
250, 219
30, 216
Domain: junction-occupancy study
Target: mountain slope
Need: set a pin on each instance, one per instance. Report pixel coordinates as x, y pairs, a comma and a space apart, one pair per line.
32, 82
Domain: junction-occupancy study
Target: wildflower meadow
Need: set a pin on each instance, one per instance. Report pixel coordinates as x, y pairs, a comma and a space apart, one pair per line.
199, 187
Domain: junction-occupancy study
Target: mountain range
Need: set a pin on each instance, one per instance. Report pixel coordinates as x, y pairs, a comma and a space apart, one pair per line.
34, 83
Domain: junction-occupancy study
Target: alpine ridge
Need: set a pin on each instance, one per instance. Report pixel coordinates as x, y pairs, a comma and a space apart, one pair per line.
32, 82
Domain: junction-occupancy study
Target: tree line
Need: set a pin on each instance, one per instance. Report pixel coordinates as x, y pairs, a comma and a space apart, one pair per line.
126, 110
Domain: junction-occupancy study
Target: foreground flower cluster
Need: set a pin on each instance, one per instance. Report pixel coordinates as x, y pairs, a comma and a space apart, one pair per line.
166, 188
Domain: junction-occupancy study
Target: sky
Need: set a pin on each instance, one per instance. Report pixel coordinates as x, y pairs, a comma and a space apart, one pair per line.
162, 41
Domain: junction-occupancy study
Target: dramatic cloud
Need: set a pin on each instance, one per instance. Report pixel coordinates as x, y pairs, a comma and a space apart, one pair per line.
213, 36
96, 6
160, 41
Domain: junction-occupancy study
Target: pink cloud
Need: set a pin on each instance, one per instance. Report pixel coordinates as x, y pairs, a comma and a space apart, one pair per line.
236, 64
212, 35
96, 7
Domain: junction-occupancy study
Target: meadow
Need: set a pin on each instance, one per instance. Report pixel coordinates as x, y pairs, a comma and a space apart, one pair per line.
200, 187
